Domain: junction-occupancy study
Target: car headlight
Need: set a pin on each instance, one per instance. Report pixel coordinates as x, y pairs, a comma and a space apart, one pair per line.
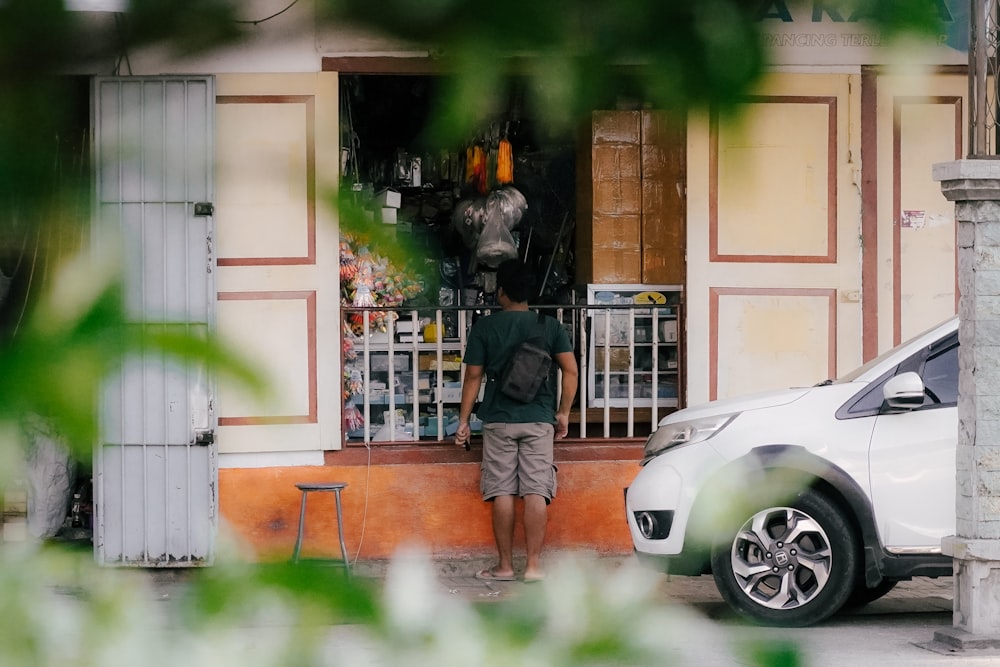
683, 433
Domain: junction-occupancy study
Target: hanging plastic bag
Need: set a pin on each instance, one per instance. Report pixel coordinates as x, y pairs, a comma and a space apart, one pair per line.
467, 219
50, 473
496, 244
504, 208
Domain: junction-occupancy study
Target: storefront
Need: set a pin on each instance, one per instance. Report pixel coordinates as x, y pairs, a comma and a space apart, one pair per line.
595, 214
787, 247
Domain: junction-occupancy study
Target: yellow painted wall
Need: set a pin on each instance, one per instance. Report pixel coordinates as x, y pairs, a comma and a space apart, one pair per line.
277, 147
773, 239
921, 121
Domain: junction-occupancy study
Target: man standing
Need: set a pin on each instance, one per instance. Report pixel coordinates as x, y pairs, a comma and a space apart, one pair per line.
517, 437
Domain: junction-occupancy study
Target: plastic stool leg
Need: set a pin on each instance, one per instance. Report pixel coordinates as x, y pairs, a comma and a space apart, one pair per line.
302, 524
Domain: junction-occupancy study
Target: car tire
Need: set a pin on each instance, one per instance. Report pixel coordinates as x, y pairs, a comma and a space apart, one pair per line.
791, 564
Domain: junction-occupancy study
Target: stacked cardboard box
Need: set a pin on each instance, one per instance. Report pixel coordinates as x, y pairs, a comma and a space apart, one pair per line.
612, 189
387, 203
631, 200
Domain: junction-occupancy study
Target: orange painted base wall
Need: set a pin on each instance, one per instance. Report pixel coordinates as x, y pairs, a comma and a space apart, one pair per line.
436, 506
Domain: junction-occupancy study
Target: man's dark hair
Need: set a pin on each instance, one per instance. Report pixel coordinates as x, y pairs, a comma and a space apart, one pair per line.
513, 277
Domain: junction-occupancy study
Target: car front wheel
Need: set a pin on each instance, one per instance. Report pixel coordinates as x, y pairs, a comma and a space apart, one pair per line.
791, 564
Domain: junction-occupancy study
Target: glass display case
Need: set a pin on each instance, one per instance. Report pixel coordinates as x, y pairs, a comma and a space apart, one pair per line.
403, 382
633, 345
407, 395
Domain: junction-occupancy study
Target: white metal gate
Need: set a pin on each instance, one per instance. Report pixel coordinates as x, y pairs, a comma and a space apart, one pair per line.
156, 468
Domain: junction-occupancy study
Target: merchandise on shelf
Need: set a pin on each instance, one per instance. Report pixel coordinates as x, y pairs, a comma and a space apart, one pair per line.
361, 267
634, 350
367, 280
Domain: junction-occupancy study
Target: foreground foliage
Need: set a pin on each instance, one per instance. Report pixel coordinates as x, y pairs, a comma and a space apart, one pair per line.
61, 609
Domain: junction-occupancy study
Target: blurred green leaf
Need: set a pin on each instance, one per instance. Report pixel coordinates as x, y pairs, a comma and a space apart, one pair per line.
576, 56
582, 55
186, 26
70, 345
320, 590
774, 653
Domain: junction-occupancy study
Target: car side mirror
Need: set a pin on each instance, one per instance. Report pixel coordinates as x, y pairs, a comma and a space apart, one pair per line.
904, 391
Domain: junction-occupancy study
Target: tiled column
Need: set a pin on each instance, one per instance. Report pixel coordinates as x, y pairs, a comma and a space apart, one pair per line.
974, 186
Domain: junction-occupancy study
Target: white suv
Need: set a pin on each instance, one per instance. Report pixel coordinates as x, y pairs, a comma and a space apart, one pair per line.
803, 500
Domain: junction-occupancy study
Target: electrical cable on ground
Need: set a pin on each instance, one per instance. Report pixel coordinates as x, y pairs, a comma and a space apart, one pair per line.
364, 514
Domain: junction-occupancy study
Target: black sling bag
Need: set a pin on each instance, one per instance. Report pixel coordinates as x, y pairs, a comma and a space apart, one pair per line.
528, 367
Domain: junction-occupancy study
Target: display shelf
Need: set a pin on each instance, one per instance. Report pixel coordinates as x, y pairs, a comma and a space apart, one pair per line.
633, 330
390, 394
446, 346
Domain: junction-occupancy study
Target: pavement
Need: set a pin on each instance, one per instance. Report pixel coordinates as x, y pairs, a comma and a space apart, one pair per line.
896, 630
457, 579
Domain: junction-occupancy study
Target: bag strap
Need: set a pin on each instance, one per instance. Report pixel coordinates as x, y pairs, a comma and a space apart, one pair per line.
538, 332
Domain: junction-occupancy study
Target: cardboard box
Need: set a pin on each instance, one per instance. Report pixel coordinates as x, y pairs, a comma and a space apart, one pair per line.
668, 331
623, 266
388, 198
450, 362
668, 390
400, 362
423, 380
617, 232
618, 359
450, 393
619, 328
617, 162
617, 391
404, 326
387, 215
617, 197
616, 127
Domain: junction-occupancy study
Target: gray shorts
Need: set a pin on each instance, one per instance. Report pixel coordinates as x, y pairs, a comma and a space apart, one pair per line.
517, 460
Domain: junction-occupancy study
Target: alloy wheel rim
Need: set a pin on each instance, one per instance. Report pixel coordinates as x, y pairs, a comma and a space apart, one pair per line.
781, 558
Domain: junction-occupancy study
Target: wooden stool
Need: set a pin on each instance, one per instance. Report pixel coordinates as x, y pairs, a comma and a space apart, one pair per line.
336, 488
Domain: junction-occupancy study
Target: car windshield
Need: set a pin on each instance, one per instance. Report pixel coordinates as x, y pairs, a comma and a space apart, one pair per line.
857, 372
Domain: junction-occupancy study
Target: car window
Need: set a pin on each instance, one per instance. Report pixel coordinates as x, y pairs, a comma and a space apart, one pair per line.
869, 402
857, 372
938, 368
940, 376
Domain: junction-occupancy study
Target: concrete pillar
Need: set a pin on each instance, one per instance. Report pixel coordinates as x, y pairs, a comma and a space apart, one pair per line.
974, 186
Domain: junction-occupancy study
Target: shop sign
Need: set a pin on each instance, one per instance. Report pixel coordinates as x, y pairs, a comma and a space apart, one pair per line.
821, 33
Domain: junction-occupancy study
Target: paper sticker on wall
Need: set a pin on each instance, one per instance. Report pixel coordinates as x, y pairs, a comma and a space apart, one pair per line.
912, 219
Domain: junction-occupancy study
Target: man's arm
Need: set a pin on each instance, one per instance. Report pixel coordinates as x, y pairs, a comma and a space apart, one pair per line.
570, 379
471, 382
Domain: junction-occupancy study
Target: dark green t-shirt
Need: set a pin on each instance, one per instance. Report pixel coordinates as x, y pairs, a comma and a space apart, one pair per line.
492, 342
